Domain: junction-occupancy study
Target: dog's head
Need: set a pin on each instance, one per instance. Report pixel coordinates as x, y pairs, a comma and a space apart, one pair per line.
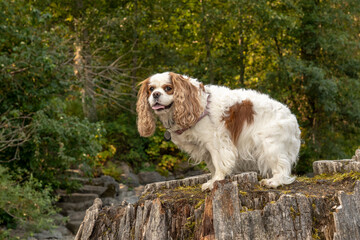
169, 95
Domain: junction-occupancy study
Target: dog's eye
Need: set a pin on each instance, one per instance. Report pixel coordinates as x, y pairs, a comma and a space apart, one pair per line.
151, 89
167, 89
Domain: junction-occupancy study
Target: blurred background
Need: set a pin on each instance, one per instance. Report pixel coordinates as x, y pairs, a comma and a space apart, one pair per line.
69, 71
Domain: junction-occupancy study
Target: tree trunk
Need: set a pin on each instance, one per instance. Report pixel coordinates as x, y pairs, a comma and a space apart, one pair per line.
82, 61
236, 208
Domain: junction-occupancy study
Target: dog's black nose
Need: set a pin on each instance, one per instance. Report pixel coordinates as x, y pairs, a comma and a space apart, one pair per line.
156, 95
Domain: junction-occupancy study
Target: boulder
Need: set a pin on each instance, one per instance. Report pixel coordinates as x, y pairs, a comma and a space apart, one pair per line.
109, 183
150, 177
128, 176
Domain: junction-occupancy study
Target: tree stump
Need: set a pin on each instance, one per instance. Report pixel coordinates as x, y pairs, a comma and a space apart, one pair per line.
323, 207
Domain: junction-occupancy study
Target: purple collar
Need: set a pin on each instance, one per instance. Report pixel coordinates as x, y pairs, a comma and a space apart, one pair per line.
204, 114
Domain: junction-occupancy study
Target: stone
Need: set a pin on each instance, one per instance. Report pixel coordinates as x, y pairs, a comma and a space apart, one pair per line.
99, 190
128, 176
78, 197
150, 177
60, 233
76, 215
69, 206
112, 187
73, 225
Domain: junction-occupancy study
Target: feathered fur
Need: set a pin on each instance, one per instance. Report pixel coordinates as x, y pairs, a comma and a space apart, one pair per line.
244, 130
146, 120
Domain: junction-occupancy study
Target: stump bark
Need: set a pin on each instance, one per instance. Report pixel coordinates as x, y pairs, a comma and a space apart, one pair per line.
236, 208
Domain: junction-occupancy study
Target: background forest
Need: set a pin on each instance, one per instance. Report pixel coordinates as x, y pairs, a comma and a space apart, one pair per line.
69, 71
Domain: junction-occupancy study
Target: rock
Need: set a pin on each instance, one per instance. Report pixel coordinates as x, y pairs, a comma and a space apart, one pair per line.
60, 233
99, 190
112, 187
236, 208
128, 177
150, 177
73, 225
78, 197
69, 206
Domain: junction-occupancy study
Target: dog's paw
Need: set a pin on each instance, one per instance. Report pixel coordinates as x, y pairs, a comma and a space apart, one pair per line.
269, 183
208, 185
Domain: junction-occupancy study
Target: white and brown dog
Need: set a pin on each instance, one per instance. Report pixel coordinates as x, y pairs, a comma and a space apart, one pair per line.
231, 130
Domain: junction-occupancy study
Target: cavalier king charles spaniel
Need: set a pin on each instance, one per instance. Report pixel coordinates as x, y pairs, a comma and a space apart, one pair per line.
231, 130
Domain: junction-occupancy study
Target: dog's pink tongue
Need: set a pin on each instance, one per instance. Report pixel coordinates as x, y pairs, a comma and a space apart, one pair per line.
158, 106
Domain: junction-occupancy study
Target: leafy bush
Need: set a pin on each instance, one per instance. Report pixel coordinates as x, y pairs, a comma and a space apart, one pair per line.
122, 133
61, 142
25, 204
112, 170
57, 143
165, 154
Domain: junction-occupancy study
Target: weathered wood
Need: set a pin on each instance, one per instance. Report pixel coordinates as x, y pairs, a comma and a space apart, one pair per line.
237, 208
335, 166
87, 226
347, 215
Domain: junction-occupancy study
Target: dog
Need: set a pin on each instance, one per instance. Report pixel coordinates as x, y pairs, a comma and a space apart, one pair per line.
230, 130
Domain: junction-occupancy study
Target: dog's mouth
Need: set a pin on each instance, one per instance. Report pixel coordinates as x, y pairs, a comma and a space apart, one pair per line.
160, 107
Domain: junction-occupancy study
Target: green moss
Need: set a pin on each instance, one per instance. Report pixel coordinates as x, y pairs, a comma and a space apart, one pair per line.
190, 226
159, 195
315, 235
201, 202
243, 193
245, 209
186, 189
330, 177
293, 213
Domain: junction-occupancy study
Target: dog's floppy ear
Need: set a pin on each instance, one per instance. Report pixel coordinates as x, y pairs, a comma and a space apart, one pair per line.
146, 121
186, 101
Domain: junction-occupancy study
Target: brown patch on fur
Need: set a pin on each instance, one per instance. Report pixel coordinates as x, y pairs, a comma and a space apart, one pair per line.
186, 101
146, 120
236, 117
170, 92
202, 87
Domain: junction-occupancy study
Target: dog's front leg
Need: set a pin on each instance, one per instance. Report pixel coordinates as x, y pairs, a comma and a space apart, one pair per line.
223, 161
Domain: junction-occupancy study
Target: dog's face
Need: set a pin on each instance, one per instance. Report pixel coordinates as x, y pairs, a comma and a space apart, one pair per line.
160, 91
171, 96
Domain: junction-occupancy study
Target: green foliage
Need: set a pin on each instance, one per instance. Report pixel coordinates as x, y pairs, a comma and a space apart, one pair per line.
113, 170
24, 203
163, 153
121, 132
61, 142
31, 57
